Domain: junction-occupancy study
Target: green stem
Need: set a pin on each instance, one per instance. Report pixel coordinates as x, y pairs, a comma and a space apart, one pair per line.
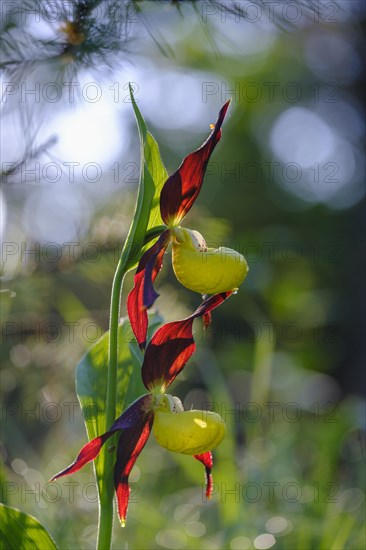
138, 235
107, 489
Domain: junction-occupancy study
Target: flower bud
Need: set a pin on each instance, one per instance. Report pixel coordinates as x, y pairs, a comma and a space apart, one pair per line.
206, 270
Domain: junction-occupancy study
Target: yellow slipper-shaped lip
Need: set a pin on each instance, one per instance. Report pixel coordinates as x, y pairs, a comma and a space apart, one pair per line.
188, 432
203, 269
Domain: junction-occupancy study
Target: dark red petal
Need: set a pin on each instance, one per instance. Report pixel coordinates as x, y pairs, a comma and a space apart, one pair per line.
182, 188
206, 459
87, 453
207, 317
131, 417
130, 444
167, 353
172, 345
128, 419
211, 303
207, 320
143, 295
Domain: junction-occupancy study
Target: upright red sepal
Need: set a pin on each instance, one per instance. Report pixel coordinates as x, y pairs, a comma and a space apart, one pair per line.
182, 188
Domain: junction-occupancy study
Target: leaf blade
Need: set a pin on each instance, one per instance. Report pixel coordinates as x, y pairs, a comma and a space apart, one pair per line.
20, 531
153, 175
159, 176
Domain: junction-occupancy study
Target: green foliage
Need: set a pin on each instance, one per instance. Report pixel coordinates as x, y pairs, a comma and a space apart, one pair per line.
152, 178
22, 532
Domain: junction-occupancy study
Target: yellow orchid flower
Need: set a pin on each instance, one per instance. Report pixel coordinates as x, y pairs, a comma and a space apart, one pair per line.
196, 266
193, 432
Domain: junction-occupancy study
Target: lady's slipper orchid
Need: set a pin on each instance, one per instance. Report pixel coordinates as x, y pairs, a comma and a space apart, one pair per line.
191, 432
197, 267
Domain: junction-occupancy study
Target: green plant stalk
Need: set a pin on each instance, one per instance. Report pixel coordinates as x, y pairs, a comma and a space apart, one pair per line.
107, 490
106, 495
138, 235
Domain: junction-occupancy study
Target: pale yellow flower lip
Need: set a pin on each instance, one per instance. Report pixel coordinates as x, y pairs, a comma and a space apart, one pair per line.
203, 269
187, 432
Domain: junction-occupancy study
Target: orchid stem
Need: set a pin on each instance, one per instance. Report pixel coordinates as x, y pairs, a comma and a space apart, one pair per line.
137, 237
107, 490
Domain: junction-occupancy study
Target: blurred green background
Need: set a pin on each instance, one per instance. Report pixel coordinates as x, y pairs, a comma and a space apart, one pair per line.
283, 361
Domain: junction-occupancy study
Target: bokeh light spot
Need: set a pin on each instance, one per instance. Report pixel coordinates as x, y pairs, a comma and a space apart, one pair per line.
264, 541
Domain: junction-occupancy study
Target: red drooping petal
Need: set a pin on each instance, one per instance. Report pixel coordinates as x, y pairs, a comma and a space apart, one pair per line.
87, 453
143, 295
130, 444
182, 188
128, 419
207, 317
207, 320
206, 459
172, 345
131, 417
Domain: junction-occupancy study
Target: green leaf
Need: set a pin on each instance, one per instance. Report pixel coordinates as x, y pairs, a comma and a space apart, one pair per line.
20, 531
91, 380
159, 175
153, 175
136, 235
